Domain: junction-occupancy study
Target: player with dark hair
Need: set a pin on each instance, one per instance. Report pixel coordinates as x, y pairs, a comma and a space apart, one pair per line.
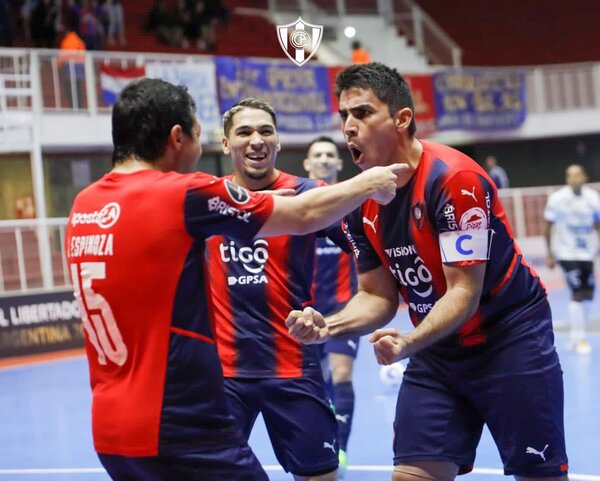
482, 348
134, 244
334, 283
572, 226
254, 284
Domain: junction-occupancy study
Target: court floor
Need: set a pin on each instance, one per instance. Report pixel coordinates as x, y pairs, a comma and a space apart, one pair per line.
45, 419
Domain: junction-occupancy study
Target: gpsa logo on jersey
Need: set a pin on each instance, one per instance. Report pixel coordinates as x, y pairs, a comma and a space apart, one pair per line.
104, 218
252, 258
237, 193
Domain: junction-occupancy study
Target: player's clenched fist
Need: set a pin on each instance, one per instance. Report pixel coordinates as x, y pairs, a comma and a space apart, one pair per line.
307, 326
389, 345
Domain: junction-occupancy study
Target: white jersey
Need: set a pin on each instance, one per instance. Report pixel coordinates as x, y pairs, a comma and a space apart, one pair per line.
574, 216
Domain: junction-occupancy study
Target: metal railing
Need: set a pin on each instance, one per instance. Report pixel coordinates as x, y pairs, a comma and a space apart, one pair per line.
429, 38
549, 88
24, 266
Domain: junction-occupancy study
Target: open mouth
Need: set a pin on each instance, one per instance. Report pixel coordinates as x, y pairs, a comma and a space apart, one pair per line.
356, 153
256, 157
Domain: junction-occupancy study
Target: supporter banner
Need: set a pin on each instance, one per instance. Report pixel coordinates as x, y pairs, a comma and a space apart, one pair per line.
300, 96
199, 78
479, 99
39, 323
114, 79
422, 90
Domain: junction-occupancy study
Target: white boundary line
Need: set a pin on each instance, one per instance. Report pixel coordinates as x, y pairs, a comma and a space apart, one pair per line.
363, 468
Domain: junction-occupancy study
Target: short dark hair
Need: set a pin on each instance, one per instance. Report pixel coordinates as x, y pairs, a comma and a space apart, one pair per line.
385, 82
143, 116
247, 103
322, 138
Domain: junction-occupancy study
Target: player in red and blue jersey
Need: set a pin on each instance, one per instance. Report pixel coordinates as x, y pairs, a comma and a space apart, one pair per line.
482, 350
254, 284
334, 283
134, 244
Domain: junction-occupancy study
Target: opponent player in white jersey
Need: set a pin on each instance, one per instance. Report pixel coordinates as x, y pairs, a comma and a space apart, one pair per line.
572, 225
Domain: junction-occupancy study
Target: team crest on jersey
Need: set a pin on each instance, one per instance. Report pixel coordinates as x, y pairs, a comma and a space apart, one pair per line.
418, 212
473, 219
238, 194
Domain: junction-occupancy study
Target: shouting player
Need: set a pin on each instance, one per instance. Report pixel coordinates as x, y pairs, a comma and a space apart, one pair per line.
482, 348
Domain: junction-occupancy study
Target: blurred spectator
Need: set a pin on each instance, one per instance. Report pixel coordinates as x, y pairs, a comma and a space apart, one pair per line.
165, 25
359, 54
26, 9
6, 25
43, 23
90, 27
219, 11
116, 22
71, 61
202, 26
73, 15
497, 173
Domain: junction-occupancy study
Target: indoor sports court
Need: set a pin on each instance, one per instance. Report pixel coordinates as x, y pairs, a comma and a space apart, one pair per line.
45, 419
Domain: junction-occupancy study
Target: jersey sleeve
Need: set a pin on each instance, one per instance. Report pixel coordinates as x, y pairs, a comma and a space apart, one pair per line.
550, 213
218, 206
462, 218
364, 253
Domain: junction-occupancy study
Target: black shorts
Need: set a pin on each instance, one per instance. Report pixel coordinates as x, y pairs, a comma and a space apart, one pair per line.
579, 276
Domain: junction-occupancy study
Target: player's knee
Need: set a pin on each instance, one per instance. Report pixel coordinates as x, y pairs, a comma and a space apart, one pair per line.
425, 471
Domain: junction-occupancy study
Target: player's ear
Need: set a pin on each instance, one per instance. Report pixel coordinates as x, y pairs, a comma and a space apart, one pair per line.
306, 165
225, 145
402, 118
175, 137
340, 164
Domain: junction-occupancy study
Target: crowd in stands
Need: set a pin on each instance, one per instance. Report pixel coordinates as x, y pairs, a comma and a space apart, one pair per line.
187, 23
42, 23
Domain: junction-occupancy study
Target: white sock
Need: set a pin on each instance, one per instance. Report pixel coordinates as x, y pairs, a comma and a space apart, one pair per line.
577, 317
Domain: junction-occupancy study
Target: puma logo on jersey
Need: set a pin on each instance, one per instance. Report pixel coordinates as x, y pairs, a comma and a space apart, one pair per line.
352, 344
331, 445
531, 450
470, 193
343, 419
371, 223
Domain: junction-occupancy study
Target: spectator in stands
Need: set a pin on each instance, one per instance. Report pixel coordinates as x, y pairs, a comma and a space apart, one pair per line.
165, 25
116, 22
6, 26
73, 15
572, 214
43, 23
25, 11
71, 60
497, 173
89, 26
359, 54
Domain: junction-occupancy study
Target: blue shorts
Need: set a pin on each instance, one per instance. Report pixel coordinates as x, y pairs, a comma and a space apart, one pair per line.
298, 417
236, 463
348, 347
516, 388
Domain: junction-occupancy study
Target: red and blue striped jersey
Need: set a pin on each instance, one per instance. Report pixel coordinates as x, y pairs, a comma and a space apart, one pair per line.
134, 245
449, 213
254, 285
334, 278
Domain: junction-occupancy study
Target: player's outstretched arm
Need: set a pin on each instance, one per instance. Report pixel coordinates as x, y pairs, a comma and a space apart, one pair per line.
319, 208
373, 306
452, 310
